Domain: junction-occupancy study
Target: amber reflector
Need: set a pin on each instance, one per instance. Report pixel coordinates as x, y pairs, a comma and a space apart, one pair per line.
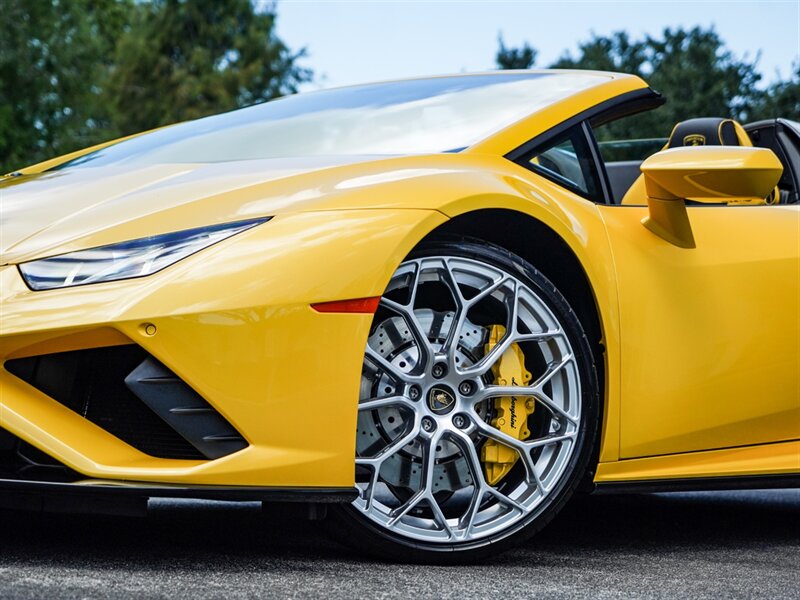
358, 305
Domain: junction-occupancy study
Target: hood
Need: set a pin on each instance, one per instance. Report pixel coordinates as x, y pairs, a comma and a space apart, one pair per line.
63, 210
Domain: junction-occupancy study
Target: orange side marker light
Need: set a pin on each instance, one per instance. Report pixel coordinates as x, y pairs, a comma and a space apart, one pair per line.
357, 305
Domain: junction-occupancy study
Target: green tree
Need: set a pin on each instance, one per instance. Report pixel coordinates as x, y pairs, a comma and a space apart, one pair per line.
77, 72
53, 61
613, 53
693, 68
514, 58
703, 77
186, 59
781, 99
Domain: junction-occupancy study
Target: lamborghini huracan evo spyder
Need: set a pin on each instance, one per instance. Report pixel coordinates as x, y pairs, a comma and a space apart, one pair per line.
437, 307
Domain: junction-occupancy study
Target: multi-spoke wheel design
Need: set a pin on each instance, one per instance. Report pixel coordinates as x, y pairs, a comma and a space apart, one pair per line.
472, 402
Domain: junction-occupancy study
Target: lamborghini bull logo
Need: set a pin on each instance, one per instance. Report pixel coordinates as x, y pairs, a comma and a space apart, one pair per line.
694, 139
441, 400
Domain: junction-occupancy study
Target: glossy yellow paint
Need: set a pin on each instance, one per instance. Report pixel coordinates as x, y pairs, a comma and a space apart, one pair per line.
235, 322
292, 254
768, 459
711, 335
730, 174
711, 174
580, 224
637, 193
237, 342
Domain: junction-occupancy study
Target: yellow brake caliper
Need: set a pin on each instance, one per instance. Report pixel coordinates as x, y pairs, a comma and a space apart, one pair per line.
511, 413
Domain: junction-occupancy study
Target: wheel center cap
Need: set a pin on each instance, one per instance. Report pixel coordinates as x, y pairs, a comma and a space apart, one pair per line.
441, 399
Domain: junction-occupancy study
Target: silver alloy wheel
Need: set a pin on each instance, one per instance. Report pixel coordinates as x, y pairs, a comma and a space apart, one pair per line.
426, 403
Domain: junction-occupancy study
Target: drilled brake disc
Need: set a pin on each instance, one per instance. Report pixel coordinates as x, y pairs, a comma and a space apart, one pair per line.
393, 341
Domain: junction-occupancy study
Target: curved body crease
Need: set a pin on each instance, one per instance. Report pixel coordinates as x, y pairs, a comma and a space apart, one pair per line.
696, 348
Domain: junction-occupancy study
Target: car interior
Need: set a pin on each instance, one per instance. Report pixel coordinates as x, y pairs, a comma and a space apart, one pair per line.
628, 185
569, 159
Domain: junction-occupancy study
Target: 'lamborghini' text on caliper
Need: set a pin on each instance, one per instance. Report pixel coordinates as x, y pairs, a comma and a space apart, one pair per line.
510, 413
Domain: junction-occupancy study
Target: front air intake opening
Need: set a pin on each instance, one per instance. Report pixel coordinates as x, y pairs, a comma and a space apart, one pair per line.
20, 460
128, 393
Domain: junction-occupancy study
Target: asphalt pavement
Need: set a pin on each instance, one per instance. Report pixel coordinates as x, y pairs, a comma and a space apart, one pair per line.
699, 545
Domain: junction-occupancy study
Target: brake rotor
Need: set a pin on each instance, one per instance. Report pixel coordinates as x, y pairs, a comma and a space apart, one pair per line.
393, 340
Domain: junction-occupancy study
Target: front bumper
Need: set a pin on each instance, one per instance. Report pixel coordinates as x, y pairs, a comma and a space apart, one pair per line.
234, 323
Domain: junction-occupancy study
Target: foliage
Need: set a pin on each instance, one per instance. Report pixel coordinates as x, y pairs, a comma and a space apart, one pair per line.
781, 99
52, 57
514, 58
614, 53
77, 72
184, 60
693, 69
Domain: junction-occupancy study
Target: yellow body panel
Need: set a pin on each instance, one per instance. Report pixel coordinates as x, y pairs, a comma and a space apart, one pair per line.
711, 335
768, 459
247, 345
711, 173
701, 345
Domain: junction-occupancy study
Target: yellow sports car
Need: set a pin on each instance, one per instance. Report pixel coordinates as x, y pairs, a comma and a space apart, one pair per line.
436, 307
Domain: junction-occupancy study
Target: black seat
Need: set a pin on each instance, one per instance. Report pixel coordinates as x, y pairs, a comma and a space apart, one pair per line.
708, 131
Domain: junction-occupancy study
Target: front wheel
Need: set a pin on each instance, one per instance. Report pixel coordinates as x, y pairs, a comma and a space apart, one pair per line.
478, 408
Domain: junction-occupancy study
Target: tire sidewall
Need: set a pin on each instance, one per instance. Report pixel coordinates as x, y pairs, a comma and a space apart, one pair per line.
356, 527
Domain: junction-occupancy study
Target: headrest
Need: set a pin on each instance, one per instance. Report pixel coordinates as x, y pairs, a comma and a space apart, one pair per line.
709, 131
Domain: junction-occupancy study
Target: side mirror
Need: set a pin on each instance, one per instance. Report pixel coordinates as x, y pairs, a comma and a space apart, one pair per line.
709, 174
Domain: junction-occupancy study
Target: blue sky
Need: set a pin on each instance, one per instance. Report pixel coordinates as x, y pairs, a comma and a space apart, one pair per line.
357, 41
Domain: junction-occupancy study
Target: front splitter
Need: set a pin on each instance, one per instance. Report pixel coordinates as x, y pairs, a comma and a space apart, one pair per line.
130, 497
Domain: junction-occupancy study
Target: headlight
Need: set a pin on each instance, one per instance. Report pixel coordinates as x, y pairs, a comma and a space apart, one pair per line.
126, 260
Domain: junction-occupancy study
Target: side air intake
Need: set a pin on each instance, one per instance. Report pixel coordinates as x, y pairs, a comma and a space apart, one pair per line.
131, 395
184, 409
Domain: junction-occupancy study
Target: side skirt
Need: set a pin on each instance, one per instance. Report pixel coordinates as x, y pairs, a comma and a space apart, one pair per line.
698, 484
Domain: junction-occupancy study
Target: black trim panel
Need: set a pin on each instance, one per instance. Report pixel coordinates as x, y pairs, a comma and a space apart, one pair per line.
602, 174
699, 484
131, 395
184, 410
131, 489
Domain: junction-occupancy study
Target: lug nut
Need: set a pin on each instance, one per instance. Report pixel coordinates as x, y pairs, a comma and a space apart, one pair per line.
460, 421
414, 392
465, 388
428, 424
439, 370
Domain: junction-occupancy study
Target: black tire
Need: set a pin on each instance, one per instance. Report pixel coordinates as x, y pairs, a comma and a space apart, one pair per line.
349, 526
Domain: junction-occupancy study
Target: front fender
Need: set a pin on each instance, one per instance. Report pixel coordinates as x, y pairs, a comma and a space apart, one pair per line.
235, 323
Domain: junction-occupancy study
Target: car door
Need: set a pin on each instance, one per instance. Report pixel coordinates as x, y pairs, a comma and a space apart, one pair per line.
710, 335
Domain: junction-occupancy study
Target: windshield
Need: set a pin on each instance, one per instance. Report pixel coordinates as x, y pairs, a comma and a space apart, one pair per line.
443, 114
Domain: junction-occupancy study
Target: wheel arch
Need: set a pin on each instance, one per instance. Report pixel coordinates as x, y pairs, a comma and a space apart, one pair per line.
541, 246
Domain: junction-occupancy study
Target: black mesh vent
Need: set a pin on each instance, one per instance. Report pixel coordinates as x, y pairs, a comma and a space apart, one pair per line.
92, 383
20, 460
